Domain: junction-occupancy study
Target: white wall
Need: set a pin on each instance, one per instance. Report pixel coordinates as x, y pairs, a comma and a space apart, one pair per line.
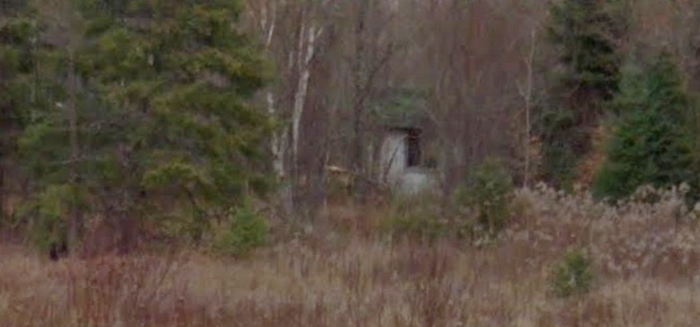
415, 181
393, 156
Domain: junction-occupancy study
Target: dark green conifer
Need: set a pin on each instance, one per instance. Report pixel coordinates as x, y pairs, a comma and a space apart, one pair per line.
18, 35
652, 141
165, 124
584, 34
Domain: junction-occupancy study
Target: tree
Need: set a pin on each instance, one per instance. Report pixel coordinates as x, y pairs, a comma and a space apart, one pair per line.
169, 134
17, 37
295, 35
470, 61
332, 59
585, 31
585, 34
652, 142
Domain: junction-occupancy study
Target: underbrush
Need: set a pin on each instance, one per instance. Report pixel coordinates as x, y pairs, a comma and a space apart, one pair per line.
633, 264
477, 214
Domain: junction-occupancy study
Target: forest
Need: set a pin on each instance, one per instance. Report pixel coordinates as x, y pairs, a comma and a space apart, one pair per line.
349, 163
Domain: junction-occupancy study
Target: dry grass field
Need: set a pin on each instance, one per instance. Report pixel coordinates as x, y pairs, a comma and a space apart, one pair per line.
340, 273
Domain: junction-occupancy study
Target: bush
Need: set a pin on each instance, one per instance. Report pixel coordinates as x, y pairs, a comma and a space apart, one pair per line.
416, 216
573, 276
562, 141
46, 215
245, 231
488, 192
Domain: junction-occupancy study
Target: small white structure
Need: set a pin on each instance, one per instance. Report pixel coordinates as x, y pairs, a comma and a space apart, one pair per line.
393, 156
403, 113
400, 161
416, 180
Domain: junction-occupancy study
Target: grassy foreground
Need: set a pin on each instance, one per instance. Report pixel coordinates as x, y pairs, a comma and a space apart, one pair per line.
341, 273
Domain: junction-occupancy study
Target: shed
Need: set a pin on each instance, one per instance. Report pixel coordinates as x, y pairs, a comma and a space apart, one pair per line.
402, 113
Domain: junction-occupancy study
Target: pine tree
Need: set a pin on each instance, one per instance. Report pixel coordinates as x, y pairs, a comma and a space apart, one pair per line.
585, 32
49, 144
584, 35
652, 141
17, 37
165, 125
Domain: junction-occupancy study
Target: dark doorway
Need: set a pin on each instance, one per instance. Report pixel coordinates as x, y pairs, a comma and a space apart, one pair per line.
414, 151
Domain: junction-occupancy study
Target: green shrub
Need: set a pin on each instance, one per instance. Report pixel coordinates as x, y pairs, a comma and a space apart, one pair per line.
418, 225
245, 231
574, 275
487, 194
46, 214
562, 141
417, 217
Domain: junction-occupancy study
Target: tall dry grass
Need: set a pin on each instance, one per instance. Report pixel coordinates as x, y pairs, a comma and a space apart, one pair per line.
340, 273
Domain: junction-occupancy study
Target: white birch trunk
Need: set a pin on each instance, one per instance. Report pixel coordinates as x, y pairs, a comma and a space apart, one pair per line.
527, 95
268, 25
307, 49
278, 141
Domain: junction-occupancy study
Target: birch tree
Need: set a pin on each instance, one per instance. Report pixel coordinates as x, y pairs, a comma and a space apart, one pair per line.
292, 33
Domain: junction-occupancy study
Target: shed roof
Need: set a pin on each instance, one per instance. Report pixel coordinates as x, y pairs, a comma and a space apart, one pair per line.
401, 108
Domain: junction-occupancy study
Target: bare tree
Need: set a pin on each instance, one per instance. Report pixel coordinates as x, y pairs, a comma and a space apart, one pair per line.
293, 33
526, 92
472, 54
335, 59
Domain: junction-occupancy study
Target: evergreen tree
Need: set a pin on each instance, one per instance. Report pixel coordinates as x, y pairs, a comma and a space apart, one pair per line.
652, 142
165, 126
17, 38
54, 161
583, 33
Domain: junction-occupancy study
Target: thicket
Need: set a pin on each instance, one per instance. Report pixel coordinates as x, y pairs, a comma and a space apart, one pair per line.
642, 104
477, 213
140, 112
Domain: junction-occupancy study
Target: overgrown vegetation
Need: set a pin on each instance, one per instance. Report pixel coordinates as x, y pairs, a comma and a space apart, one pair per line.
159, 117
140, 140
478, 213
418, 217
644, 260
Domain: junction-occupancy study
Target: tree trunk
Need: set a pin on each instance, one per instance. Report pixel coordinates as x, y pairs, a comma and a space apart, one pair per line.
3, 213
308, 38
277, 142
5, 135
305, 56
361, 87
527, 94
278, 147
75, 220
